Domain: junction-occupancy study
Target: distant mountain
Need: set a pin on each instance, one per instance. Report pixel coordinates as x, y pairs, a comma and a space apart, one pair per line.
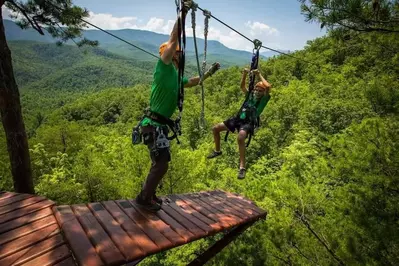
46, 66
145, 39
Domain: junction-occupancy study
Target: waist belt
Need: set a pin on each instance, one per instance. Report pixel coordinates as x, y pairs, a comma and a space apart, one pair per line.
174, 125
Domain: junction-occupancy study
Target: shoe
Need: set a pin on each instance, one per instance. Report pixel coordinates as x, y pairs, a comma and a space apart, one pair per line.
151, 206
157, 200
214, 154
241, 173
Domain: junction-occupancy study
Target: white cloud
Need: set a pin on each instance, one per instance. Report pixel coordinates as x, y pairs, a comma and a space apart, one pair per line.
5, 12
259, 29
253, 29
109, 22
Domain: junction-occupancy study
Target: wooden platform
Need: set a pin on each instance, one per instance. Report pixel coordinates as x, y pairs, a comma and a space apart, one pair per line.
29, 233
115, 232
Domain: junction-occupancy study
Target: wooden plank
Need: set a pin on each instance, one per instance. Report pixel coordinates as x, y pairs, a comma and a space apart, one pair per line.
247, 212
236, 196
13, 198
161, 226
185, 206
180, 229
227, 218
129, 248
6, 195
25, 220
68, 262
224, 207
189, 216
132, 229
52, 257
20, 204
63, 214
244, 208
157, 237
26, 210
27, 229
240, 202
80, 244
214, 205
102, 243
224, 220
195, 230
28, 240
32, 252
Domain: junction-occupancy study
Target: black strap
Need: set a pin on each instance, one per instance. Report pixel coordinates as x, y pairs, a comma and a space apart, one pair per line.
181, 38
174, 125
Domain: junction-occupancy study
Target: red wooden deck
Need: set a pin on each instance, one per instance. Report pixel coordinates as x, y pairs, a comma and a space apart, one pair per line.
29, 233
112, 232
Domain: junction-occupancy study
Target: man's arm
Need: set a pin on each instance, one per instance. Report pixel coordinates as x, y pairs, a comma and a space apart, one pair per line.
243, 80
194, 81
173, 41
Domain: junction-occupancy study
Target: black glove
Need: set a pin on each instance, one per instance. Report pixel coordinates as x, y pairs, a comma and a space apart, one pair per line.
212, 70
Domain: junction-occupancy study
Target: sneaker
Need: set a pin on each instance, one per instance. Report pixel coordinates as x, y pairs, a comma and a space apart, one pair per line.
157, 200
241, 173
151, 206
214, 154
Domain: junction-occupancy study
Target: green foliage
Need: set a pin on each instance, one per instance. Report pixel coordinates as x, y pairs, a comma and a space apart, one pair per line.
324, 163
357, 15
61, 19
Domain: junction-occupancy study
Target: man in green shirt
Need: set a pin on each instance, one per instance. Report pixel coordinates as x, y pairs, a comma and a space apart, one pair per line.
244, 121
163, 103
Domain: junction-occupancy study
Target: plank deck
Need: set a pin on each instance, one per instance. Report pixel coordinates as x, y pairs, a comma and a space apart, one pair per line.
118, 232
29, 232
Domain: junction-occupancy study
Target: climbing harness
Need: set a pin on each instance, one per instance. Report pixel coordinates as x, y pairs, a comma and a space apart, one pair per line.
201, 71
254, 65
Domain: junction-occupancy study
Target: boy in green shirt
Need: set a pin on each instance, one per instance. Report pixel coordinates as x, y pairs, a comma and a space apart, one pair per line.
244, 121
163, 103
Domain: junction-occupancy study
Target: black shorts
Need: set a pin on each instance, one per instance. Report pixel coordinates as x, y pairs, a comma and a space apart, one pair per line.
235, 123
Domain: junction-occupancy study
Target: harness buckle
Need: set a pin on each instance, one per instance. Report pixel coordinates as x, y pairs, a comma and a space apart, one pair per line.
162, 141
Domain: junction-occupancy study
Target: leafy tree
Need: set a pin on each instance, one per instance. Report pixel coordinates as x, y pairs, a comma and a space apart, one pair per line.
36, 14
357, 15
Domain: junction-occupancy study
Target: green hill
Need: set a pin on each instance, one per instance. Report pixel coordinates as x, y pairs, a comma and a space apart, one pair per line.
147, 40
48, 66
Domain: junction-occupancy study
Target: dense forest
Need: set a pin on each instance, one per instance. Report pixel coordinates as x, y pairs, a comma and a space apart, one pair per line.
324, 163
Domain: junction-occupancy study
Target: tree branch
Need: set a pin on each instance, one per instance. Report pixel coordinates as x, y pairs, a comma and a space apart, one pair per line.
33, 23
302, 254
306, 223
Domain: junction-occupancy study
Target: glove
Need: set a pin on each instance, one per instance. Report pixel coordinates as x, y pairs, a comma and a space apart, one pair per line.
212, 70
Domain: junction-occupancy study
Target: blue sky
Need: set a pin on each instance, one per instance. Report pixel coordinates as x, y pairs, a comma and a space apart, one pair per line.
277, 23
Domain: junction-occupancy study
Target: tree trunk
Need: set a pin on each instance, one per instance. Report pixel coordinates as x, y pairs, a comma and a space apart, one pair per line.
11, 117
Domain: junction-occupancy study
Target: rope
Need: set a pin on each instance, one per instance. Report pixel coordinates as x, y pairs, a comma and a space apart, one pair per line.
252, 41
207, 15
200, 71
141, 49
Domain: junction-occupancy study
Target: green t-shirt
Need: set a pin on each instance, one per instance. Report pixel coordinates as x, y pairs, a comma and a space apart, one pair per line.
164, 91
252, 101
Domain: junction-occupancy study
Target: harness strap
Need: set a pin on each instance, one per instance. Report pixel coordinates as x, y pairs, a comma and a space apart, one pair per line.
174, 125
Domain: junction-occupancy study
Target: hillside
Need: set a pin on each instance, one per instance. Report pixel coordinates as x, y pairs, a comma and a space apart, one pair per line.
145, 39
48, 66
